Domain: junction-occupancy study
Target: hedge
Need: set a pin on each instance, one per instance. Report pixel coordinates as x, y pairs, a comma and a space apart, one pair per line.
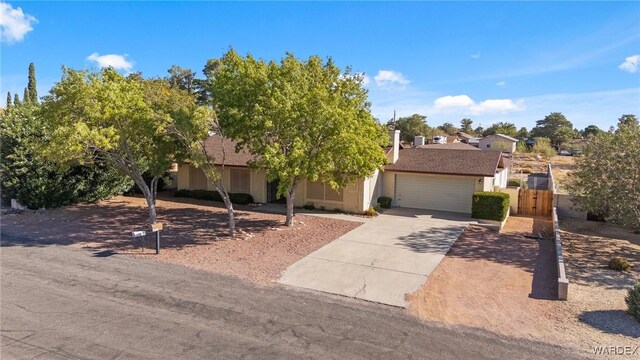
514, 182
385, 202
236, 198
490, 206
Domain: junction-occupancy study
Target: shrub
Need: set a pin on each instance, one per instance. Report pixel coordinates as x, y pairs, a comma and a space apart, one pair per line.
236, 198
377, 207
544, 148
338, 211
619, 263
490, 206
385, 202
633, 301
370, 212
514, 182
526, 170
309, 206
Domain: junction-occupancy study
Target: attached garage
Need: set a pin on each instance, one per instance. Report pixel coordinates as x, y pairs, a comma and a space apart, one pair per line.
434, 192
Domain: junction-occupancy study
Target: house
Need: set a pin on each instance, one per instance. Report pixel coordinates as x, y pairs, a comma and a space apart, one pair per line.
468, 139
455, 145
419, 177
500, 142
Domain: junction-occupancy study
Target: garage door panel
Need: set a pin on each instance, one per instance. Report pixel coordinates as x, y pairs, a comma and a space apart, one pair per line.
443, 193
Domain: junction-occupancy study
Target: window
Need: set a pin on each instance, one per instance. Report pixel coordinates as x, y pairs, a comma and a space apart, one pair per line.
239, 180
320, 191
488, 146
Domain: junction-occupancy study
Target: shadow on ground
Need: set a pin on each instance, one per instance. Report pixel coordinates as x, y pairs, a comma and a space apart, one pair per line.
612, 322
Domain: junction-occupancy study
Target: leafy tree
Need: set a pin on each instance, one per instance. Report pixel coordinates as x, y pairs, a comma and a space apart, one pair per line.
122, 121
522, 134
16, 99
554, 126
301, 119
478, 130
465, 125
410, 126
31, 91
448, 128
35, 182
8, 100
504, 128
590, 131
628, 119
25, 96
543, 147
606, 181
182, 79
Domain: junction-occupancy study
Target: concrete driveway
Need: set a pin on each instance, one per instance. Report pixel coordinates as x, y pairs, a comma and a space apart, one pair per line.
383, 259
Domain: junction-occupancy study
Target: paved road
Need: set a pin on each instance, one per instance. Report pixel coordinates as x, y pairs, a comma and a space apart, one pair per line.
61, 303
383, 259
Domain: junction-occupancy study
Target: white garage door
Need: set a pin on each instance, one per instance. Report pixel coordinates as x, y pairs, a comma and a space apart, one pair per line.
433, 192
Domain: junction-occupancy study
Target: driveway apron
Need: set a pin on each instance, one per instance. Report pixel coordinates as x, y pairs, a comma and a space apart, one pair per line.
383, 259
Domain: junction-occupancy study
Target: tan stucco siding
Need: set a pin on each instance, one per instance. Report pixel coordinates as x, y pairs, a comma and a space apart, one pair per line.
193, 178
353, 198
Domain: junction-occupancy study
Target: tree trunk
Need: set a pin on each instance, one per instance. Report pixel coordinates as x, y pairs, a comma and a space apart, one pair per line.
290, 196
148, 195
227, 202
154, 188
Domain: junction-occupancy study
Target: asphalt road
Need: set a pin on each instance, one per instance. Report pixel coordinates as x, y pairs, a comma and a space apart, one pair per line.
62, 303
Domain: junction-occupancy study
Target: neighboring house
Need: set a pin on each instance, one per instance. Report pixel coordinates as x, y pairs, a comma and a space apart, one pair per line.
420, 177
457, 145
452, 139
468, 139
500, 142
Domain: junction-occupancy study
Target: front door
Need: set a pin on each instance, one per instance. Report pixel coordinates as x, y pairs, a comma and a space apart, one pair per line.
272, 192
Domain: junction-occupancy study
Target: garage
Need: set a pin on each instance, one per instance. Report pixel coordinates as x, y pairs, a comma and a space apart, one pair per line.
434, 192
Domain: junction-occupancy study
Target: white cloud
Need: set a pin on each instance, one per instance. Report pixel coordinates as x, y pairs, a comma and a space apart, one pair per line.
14, 24
467, 105
475, 56
501, 83
118, 62
390, 77
453, 102
630, 64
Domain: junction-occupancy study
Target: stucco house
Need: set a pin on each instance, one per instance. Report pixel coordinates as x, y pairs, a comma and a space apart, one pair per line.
418, 177
500, 142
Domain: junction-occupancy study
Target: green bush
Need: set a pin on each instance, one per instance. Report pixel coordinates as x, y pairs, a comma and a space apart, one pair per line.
236, 198
490, 206
526, 170
385, 202
514, 182
619, 263
338, 211
370, 212
309, 206
377, 207
633, 301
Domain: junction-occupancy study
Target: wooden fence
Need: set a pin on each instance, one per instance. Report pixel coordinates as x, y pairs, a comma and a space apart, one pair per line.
535, 202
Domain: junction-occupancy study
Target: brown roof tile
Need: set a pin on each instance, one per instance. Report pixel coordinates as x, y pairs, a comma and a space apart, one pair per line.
221, 148
456, 146
447, 161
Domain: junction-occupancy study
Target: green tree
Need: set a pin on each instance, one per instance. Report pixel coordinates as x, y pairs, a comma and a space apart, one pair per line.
16, 99
25, 96
554, 126
32, 91
628, 119
301, 119
465, 126
478, 130
35, 182
410, 126
121, 121
522, 134
8, 100
183, 79
590, 130
504, 128
607, 178
448, 128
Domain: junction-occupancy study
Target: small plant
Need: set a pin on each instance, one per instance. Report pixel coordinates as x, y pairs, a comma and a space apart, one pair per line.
385, 202
526, 170
633, 301
309, 206
377, 207
337, 211
323, 208
514, 182
619, 263
370, 212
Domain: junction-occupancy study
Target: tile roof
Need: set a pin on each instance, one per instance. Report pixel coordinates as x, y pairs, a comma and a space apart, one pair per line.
447, 161
221, 148
457, 146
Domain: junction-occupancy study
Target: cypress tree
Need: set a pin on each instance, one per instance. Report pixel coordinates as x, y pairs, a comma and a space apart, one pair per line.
25, 96
32, 91
16, 100
8, 99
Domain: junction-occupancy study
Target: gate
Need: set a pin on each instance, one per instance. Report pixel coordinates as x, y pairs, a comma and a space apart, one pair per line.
535, 202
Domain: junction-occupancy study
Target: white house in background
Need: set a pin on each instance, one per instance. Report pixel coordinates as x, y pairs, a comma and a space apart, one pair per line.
500, 142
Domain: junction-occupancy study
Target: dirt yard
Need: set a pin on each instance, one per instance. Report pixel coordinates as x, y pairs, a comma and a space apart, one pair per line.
506, 284
195, 234
561, 165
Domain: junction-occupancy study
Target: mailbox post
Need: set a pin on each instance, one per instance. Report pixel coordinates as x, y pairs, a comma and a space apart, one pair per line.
156, 228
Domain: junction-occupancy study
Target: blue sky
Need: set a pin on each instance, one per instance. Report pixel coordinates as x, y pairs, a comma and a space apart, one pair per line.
502, 61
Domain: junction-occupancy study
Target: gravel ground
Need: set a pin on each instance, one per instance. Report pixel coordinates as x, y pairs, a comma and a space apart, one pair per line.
194, 236
506, 283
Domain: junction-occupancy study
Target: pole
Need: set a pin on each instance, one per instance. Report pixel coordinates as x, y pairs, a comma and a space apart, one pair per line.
157, 242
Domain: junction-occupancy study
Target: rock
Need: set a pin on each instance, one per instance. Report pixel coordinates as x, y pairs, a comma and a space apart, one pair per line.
41, 211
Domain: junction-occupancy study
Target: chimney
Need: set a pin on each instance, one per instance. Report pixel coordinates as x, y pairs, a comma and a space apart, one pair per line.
418, 140
395, 146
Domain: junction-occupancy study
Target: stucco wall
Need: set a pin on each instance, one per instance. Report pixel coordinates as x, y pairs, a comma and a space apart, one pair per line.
257, 181
513, 199
352, 198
